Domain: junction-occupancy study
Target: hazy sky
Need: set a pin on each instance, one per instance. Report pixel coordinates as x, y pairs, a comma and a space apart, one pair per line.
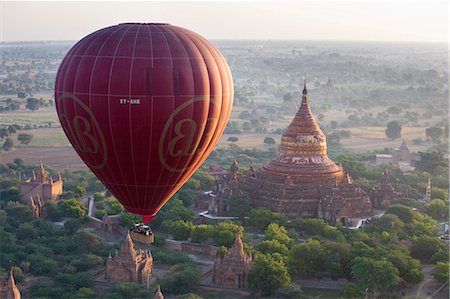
324, 20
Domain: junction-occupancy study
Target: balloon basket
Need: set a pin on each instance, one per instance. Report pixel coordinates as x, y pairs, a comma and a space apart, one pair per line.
142, 233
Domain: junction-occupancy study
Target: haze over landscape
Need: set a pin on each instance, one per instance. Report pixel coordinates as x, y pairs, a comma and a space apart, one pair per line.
293, 20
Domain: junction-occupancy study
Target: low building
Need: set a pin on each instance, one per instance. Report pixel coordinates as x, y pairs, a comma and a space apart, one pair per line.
384, 159
231, 271
129, 265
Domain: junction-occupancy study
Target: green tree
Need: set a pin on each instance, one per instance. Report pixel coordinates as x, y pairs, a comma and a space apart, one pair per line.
441, 271
85, 293
406, 214
316, 227
128, 219
73, 208
438, 209
429, 162
239, 206
183, 279
129, 290
179, 229
272, 246
225, 233
8, 144
89, 241
424, 247
33, 104
393, 130
24, 138
262, 217
52, 211
72, 225
434, 133
288, 98
80, 192
28, 231
351, 290
232, 139
279, 233
374, 274
308, 258
18, 213
269, 140
3, 133
388, 222
268, 273
201, 233
22, 95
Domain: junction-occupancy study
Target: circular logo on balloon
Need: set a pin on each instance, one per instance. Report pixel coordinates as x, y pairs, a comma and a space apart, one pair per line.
181, 137
84, 132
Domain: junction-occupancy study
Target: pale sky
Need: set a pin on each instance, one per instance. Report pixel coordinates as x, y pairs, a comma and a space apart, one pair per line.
294, 20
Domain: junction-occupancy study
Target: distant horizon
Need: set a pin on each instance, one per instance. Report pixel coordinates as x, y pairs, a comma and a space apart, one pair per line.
262, 40
393, 21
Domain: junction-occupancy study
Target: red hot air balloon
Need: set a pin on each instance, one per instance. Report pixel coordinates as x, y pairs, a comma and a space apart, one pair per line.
143, 105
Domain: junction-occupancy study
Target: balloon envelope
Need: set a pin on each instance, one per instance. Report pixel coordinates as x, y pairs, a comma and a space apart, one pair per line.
143, 105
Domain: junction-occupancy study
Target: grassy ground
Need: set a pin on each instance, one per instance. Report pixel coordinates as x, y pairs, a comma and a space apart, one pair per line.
27, 117
53, 137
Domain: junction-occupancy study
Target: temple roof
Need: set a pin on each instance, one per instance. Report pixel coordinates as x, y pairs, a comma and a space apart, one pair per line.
128, 247
237, 253
12, 292
304, 122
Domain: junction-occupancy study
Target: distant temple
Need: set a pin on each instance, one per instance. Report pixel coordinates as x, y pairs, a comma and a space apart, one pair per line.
129, 265
384, 193
8, 288
39, 189
232, 270
301, 181
402, 154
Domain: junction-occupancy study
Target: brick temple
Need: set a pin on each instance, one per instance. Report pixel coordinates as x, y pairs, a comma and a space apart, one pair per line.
231, 271
8, 288
301, 181
39, 189
129, 265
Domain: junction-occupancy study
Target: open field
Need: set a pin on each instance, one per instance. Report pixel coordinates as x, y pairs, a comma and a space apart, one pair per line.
372, 138
59, 158
47, 137
27, 117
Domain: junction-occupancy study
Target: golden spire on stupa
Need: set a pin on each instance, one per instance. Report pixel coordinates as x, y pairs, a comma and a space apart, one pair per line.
303, 136
302, 154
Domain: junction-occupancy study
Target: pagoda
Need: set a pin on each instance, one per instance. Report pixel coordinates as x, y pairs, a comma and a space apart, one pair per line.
8, 288
232, 270
129, 264
302, 181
